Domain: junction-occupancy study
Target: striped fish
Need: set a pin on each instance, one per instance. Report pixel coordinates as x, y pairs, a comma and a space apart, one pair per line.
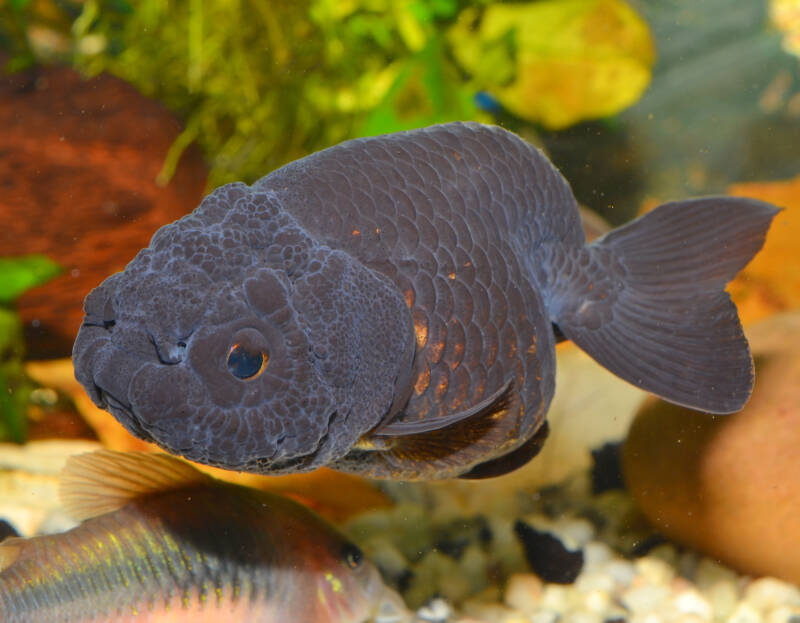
161, 541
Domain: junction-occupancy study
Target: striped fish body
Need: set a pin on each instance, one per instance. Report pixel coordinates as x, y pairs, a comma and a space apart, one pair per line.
201, 553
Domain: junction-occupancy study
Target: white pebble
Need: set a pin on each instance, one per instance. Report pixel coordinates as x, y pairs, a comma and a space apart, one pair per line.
691, 602
436, 610
766, 594
596, 553
744, 613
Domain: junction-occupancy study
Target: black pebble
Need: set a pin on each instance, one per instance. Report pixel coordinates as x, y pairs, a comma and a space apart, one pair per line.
547, 556
607, 468
454, 537
7, 530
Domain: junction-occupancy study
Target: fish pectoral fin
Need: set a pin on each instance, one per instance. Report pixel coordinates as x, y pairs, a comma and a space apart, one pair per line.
105, 480
9, 552
488, 406
512, 460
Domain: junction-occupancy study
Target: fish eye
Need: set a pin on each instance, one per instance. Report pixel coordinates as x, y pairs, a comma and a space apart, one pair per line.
352, 556
246, 363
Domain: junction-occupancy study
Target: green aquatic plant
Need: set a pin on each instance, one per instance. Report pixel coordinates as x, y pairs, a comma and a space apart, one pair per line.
259, 84
17, 274
279, 79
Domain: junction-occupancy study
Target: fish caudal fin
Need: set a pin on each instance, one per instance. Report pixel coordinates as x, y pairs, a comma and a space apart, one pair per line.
647, 300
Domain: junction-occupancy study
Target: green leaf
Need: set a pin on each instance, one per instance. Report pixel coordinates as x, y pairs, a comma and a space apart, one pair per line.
18, 274
14, 393
425, 92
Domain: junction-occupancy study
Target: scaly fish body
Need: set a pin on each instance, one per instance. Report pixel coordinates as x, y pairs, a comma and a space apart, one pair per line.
386, 306
202, 552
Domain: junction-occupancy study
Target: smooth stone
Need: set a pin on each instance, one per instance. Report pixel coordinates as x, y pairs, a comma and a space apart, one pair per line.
728, 486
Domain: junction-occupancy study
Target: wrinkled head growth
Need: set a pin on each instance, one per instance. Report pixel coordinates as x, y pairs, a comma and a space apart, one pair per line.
236, 340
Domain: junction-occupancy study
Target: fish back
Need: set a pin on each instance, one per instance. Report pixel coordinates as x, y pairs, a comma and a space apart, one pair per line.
451, 214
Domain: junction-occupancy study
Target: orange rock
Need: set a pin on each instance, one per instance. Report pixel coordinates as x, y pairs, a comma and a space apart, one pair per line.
78, 166
729, 486
770, 283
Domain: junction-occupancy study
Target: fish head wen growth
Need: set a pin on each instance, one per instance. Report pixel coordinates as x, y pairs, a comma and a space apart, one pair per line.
234, 310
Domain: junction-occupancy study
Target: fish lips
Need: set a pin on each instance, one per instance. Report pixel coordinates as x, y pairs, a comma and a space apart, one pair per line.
95, 359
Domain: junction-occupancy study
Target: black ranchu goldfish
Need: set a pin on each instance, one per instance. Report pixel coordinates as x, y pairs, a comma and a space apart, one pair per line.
164, 543
390, 306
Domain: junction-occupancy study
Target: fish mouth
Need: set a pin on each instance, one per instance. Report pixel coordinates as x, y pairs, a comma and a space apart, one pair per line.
123, 412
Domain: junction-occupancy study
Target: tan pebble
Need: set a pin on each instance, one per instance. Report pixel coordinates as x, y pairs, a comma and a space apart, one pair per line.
545, 616
524, 592
744, 613
506, 551
646, 599
473, 564
650, 617
593, 581
654, 570
666, 553
728, 485
583, 617
597, 601
783, 614
766, 594
491, 612
723, 597
555, 597
709, 572
573, 532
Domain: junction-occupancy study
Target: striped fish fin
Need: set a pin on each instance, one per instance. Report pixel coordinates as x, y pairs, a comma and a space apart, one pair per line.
9, 552
105, 480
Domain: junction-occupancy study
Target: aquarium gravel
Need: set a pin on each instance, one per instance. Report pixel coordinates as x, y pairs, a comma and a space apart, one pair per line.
453, 565
468, 569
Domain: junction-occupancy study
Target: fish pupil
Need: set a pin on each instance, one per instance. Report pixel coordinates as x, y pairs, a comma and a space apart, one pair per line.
246, 364
352, 555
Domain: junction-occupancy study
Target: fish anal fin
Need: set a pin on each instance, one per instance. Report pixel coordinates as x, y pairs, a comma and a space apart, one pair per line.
105, 480
491, 404
512, 460
9, 552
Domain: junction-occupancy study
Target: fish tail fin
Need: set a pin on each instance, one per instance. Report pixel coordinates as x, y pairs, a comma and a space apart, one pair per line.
647, 301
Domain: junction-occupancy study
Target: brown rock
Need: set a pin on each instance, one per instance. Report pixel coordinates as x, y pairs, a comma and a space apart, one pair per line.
78, 166
730, 485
